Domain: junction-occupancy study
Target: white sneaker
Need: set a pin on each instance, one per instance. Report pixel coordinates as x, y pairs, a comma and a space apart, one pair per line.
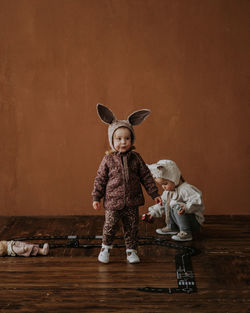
104, 254
182, 236
166, 231
132, 256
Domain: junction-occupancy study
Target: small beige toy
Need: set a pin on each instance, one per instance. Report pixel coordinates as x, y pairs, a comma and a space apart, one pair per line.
20, 248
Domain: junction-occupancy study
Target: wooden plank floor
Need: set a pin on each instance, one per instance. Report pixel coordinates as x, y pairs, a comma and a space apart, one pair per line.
72, 280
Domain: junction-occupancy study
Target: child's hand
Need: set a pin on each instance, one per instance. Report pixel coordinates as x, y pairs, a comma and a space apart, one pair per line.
158, 200
147, 218
182, 210
96, 205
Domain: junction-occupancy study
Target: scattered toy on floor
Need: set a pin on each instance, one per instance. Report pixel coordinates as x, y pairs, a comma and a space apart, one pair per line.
20, 248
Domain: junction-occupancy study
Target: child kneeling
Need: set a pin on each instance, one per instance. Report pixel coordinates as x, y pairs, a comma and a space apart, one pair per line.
181, 202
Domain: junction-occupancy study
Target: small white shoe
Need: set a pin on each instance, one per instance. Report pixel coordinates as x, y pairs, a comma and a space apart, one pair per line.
132, 256
104, 254
166, 231
182, 236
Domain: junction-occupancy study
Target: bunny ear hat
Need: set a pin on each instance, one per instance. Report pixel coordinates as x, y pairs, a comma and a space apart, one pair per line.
166, 169
107, 116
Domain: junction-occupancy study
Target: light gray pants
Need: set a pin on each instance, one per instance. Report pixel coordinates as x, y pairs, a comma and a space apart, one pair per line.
186, 222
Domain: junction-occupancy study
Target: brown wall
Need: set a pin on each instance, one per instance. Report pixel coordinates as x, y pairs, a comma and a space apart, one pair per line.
187, 61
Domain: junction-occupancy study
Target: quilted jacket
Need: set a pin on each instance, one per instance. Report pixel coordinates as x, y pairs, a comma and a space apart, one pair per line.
119, 179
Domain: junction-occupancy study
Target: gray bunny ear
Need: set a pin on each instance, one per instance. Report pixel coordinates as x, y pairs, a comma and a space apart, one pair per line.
139, 116
105, 114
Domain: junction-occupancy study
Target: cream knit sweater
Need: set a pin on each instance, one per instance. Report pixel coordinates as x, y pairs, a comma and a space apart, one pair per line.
185, 194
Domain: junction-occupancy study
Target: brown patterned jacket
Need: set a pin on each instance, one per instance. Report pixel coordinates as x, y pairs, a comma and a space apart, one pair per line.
119, 180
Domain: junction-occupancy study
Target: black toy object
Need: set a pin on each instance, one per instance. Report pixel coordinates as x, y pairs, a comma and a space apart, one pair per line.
147, 218
184, 272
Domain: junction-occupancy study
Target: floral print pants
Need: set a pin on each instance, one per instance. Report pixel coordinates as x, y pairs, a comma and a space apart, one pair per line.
130, 221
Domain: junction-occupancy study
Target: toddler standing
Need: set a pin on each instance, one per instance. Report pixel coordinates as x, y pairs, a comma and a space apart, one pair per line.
118, 181
181, 202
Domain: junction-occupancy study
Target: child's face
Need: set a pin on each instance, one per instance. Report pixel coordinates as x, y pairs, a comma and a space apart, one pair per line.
122, 139
166, 184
